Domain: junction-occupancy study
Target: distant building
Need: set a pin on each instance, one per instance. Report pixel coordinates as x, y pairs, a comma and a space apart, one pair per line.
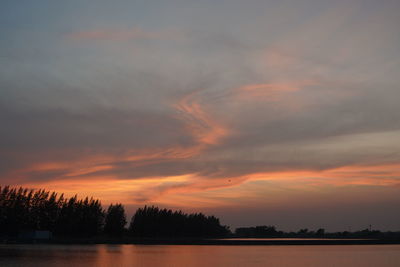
36, 235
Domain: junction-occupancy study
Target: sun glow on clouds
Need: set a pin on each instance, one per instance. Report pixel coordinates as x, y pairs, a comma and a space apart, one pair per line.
205, 129
86, 172
271, 91
96, 175
204, 192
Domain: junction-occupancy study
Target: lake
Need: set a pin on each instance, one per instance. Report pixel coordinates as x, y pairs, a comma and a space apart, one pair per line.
191, 255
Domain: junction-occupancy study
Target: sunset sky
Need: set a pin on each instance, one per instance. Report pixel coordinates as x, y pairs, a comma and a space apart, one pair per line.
281, 113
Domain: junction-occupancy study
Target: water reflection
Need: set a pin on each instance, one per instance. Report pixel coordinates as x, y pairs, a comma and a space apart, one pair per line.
179, 256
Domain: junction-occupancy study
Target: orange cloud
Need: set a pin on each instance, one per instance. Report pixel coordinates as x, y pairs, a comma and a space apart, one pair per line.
375, 175
205, 129
93, 169
161, 190
93, 175
270, 91
227, 191
192, 190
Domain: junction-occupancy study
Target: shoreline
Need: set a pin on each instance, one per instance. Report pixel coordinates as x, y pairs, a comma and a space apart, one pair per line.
215, 242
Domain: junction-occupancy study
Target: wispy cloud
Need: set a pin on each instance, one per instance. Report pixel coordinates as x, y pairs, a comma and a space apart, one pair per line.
205, 129
271, 91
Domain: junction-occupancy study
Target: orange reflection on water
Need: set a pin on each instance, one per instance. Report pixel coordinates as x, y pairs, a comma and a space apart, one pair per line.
200, 256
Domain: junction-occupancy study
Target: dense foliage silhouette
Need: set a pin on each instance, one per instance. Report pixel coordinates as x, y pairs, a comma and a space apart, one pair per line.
258, 231
24, 210
271, 232
115, 220
155, 222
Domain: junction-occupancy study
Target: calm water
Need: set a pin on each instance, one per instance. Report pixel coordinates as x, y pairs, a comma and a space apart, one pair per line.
183, 256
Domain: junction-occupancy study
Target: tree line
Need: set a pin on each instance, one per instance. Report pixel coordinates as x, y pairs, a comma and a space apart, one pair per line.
264, 231
23, 209
155, 222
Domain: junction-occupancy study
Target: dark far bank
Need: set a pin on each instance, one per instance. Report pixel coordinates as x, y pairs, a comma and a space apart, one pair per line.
28, 215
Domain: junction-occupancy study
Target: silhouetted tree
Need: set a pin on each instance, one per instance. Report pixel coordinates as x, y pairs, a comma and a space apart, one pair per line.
320, 232
80, 217
303, 232
155, 222
24, 210
258, 231
115, 220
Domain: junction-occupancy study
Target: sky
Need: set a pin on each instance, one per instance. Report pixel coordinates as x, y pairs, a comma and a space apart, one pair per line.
280, 113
